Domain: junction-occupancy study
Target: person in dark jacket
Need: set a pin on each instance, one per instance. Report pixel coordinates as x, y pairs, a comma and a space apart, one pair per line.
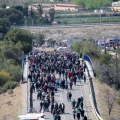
85, 117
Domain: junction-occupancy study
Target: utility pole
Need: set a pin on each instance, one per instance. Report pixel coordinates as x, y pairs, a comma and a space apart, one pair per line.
105, 45
116, 66
100, 16
116, 40
65, 15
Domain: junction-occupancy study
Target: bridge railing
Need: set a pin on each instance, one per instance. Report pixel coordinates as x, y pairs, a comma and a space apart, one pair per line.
87, 58
92, 91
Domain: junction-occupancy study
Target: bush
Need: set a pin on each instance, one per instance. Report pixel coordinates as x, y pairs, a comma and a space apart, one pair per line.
118, 101
10, 91
115, 86
3, 89
11, 85
4, 77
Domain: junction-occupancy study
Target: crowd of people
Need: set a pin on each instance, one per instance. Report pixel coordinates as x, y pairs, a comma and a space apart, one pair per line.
43, 67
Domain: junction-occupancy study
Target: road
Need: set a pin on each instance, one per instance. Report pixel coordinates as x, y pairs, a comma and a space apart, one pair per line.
65, 26
80, 89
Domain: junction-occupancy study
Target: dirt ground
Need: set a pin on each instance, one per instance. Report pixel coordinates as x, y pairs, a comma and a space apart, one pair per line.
101, 91
10, 105
85, 32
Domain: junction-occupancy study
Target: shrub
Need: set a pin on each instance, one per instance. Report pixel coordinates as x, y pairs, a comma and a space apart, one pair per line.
114, 86
4, 77
118, 101
11, 85
15, 72
3, 89
10, 91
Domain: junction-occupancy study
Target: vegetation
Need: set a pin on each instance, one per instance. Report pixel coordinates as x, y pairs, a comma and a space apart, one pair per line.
118, 101
39, 38
92, 4
10, 91
104, 64
15, 43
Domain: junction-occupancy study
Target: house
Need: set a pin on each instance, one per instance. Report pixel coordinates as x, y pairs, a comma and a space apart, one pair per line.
45, 6
115, 6
70, 7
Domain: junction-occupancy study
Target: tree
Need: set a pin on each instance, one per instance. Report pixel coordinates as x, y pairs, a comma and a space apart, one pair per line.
110, 99
3, 6
79, 2
4, 25
25, 10
40, 10
13, 15
22, 37
31, 12
92, 4
51, 14
40, 38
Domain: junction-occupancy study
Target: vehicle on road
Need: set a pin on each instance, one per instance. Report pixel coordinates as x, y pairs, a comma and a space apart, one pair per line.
32, 116
61, 49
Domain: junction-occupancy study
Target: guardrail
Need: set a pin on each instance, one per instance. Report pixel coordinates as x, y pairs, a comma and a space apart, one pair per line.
87, 58
92, 91
94, 103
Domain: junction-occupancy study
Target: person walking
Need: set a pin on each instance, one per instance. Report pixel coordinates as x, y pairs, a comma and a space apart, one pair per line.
58, 117
75, 79
85, 117
82, 112
84, 78
74, 113
70, 95
73, 103
78, 114
63, 108
71, 85
52, 107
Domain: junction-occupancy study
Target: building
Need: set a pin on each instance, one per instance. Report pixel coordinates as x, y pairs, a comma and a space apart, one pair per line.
70, 7
115, 6
45, 6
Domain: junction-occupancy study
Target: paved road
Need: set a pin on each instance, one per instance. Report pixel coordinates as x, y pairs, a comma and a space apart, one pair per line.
65, 26
80, 89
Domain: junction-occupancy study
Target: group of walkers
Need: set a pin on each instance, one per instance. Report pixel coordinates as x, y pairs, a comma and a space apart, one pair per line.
43, 67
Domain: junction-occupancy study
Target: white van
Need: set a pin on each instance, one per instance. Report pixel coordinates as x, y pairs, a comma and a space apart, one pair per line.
32, 116
62, 49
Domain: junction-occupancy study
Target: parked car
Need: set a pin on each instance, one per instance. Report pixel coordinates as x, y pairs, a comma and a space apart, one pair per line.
101, 43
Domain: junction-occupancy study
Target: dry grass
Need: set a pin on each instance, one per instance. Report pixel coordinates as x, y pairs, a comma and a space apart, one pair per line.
94, 32
10, 105
100, 91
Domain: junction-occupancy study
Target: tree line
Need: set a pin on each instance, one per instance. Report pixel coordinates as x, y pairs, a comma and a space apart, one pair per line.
93, 4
